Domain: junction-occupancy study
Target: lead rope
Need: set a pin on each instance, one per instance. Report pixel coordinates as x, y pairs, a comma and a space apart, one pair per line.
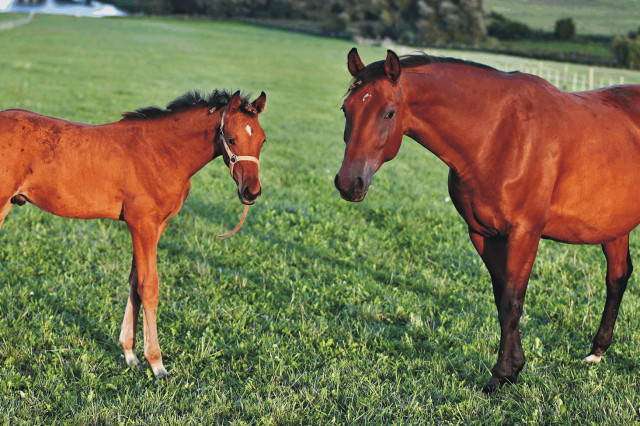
233, 159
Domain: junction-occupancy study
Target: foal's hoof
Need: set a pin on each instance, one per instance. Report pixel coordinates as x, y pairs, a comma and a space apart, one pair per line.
131, 359
161, 373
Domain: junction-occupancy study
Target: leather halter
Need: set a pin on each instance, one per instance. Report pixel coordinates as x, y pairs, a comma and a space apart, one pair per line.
233, 158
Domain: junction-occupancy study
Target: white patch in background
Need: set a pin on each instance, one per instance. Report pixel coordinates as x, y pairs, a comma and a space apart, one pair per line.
365, 97
248, 129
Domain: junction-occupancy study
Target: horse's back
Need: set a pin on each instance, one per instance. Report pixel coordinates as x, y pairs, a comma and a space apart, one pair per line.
597, 194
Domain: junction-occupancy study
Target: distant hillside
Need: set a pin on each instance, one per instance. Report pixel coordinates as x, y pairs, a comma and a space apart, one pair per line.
408, 21
598, 17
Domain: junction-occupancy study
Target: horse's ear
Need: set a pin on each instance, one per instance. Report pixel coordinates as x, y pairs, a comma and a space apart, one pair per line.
260, 103
392, 66
235, 102
354, 63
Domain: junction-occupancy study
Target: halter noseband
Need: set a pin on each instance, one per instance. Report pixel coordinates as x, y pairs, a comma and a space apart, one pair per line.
233, 158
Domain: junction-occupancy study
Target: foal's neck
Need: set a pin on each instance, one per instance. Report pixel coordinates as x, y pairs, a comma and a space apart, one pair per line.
189, 137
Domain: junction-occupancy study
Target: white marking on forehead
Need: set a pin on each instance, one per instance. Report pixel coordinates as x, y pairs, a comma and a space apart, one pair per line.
365, 97
248, 129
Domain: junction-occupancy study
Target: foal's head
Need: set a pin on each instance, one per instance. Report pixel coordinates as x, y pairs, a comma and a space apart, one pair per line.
373, 130
241, 139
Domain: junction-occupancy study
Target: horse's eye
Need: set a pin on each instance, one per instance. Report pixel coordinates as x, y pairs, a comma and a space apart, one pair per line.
390, 114
230, 141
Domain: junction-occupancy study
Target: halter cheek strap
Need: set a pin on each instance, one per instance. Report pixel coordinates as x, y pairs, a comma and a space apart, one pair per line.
233, 159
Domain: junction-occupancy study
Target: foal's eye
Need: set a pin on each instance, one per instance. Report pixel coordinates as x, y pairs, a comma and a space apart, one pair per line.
230, 141
390, 114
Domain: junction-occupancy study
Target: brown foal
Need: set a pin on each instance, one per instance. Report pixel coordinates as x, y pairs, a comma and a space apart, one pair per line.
137, 170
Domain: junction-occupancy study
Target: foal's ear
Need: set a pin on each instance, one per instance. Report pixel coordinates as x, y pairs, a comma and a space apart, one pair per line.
235, 102
392, 66
260, 103
354, 63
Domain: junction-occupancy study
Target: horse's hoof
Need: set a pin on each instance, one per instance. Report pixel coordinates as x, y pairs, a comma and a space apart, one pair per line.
492, 386
592, 359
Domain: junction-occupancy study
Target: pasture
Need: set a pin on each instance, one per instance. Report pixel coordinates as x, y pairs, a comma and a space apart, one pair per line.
318, 310
602, 17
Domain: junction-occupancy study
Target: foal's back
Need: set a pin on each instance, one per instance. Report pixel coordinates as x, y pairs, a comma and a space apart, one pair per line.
65, 168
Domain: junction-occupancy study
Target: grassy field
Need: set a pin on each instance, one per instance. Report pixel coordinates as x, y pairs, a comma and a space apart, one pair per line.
604, 17
318, 311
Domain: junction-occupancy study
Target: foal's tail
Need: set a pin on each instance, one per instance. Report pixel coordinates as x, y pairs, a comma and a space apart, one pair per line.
19, 200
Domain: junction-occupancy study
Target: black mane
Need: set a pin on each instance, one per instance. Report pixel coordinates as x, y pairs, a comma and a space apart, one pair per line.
375, 70
195, 99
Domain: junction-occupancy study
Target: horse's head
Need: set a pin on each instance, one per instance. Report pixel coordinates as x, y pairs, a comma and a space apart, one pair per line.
242, 137
373, 131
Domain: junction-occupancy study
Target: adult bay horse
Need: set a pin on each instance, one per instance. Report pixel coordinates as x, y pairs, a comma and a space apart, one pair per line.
527, 161
137, 170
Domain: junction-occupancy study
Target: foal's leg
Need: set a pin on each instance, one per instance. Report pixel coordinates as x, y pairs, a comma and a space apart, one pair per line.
4, 210
130, 321
509, 263
145, 238
619, 270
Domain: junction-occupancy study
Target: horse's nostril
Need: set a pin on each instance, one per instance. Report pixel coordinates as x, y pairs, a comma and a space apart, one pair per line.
335, 181
359, 185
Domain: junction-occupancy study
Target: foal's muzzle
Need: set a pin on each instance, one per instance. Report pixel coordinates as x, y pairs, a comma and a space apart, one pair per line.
248, 196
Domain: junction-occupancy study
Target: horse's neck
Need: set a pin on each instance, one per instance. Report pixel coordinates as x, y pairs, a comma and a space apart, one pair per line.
449, 117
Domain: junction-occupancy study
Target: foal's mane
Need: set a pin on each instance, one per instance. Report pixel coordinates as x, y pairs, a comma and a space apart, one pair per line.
375, 70
195, 99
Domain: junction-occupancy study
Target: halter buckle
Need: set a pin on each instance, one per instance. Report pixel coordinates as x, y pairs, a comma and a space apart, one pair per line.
233, 159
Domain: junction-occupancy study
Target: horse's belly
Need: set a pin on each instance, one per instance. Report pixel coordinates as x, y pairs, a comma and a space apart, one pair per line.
591, 226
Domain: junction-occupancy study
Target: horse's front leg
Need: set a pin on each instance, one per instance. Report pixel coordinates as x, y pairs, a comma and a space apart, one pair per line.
130, 321
511, 261
145, 238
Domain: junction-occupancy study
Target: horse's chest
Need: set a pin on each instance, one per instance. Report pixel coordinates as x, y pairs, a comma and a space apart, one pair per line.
482, 215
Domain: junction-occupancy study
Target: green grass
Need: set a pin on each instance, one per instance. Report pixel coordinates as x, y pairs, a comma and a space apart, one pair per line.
603, 17
318, 311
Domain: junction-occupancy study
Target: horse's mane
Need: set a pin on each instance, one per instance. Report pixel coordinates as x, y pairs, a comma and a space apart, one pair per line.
375, 70
195, 99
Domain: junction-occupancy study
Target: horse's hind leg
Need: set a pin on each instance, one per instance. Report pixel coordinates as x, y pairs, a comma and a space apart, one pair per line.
130, 321
619, 270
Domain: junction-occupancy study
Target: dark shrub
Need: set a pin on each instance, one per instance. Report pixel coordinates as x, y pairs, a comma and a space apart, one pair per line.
505, 29
336, 24
620, 46
634, 53
565, 29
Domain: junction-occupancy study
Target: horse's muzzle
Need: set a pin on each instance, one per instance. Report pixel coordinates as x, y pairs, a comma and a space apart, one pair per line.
353, 189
